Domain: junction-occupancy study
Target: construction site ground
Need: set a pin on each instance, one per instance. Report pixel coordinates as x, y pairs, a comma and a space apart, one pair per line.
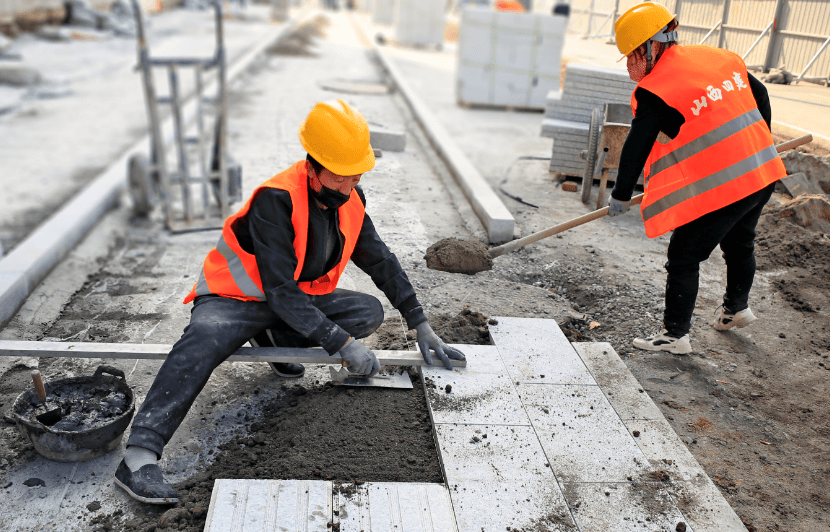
750, 404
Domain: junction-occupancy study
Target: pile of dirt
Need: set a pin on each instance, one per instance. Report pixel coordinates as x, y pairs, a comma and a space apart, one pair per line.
341, 434
459, 256
301, 39
804, 254
467, 327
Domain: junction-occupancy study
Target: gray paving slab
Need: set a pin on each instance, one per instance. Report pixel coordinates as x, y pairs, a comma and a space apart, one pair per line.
622, 507
523, 505
704, 507
623, 391
394, 506
246, 505
481, 393
566, 125
491, 453
536, 351
696, 496
582, 435
498, 478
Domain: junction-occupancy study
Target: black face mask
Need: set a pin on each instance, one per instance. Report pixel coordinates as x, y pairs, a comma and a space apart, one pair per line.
330, 198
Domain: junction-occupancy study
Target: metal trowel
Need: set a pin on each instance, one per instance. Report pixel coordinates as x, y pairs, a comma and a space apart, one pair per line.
382, 379
52, 413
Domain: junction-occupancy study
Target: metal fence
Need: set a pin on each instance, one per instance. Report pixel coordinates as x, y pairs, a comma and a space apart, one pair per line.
789, 34
16, 7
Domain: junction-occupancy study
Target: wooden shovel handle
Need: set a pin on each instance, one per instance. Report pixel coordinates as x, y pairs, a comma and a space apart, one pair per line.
39, 388
599, 213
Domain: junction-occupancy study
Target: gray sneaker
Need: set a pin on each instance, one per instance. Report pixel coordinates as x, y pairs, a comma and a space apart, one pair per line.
663, 342
726, 320
146, 485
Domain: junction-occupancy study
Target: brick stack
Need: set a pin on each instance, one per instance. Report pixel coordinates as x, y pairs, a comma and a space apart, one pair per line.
568, 112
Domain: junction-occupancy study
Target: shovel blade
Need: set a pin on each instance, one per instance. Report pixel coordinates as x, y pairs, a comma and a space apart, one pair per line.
343, 377
50, 417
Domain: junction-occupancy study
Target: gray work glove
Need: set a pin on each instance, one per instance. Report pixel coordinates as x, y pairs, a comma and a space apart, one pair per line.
427, 339
359, 359
617, 207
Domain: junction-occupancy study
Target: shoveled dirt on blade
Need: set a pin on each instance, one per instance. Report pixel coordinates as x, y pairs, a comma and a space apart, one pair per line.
459, 256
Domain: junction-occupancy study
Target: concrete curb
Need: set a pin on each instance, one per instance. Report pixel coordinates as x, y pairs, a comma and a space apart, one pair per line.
495, 217
32, 260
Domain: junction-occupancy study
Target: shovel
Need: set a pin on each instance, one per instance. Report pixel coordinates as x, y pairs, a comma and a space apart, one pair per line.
52, 413
473, 257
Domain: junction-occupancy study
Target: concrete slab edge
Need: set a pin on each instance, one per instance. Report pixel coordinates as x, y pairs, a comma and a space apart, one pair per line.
32, 260
700, 501
495, 217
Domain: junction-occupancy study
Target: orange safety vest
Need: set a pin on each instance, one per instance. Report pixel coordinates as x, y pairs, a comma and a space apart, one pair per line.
724, 151
229, 271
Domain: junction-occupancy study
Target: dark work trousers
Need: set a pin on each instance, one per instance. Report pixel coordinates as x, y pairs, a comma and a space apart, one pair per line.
733, 227
218, 327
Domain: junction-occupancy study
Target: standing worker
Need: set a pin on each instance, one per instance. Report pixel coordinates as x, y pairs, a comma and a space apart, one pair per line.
701, 129
271, 280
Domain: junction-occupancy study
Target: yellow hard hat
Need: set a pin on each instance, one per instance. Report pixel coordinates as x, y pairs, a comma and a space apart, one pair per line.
639, 24
338, 137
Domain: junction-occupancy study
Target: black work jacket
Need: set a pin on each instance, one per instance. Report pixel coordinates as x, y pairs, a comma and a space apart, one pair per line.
267, 232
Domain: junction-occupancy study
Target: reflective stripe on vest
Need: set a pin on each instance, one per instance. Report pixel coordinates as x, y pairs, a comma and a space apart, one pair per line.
229, 271
724, 150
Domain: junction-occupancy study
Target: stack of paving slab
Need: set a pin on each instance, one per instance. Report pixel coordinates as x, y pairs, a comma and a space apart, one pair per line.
384, 12
568, 112
420, 22
508, 59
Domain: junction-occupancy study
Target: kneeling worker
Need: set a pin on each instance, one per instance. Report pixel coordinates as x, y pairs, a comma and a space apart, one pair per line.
271, 280
709, 175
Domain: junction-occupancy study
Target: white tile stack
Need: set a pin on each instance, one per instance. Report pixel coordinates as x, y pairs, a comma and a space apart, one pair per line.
384, 12
508, 59
568, 112
420, 22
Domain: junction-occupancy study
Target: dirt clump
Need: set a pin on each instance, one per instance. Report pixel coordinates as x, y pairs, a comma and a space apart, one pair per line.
459, 256
467, 327
811, 211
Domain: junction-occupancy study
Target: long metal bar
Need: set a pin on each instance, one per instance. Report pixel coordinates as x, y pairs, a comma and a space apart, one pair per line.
813, 60
724, 18
703, 40
178, 134
222, 96
773, 36
315, 355
157, 151
200, 136
769, 26
183, 61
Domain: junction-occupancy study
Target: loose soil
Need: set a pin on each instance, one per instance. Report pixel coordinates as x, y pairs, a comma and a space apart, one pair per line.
458, 256
324, 432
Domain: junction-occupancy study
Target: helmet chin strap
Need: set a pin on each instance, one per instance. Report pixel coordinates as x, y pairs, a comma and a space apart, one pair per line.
662, 36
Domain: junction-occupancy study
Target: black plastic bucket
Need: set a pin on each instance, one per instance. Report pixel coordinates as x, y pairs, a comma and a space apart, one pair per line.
76, 445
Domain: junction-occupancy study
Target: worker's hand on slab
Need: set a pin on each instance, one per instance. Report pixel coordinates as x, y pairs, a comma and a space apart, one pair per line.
359, 359
617, 207
428, 340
